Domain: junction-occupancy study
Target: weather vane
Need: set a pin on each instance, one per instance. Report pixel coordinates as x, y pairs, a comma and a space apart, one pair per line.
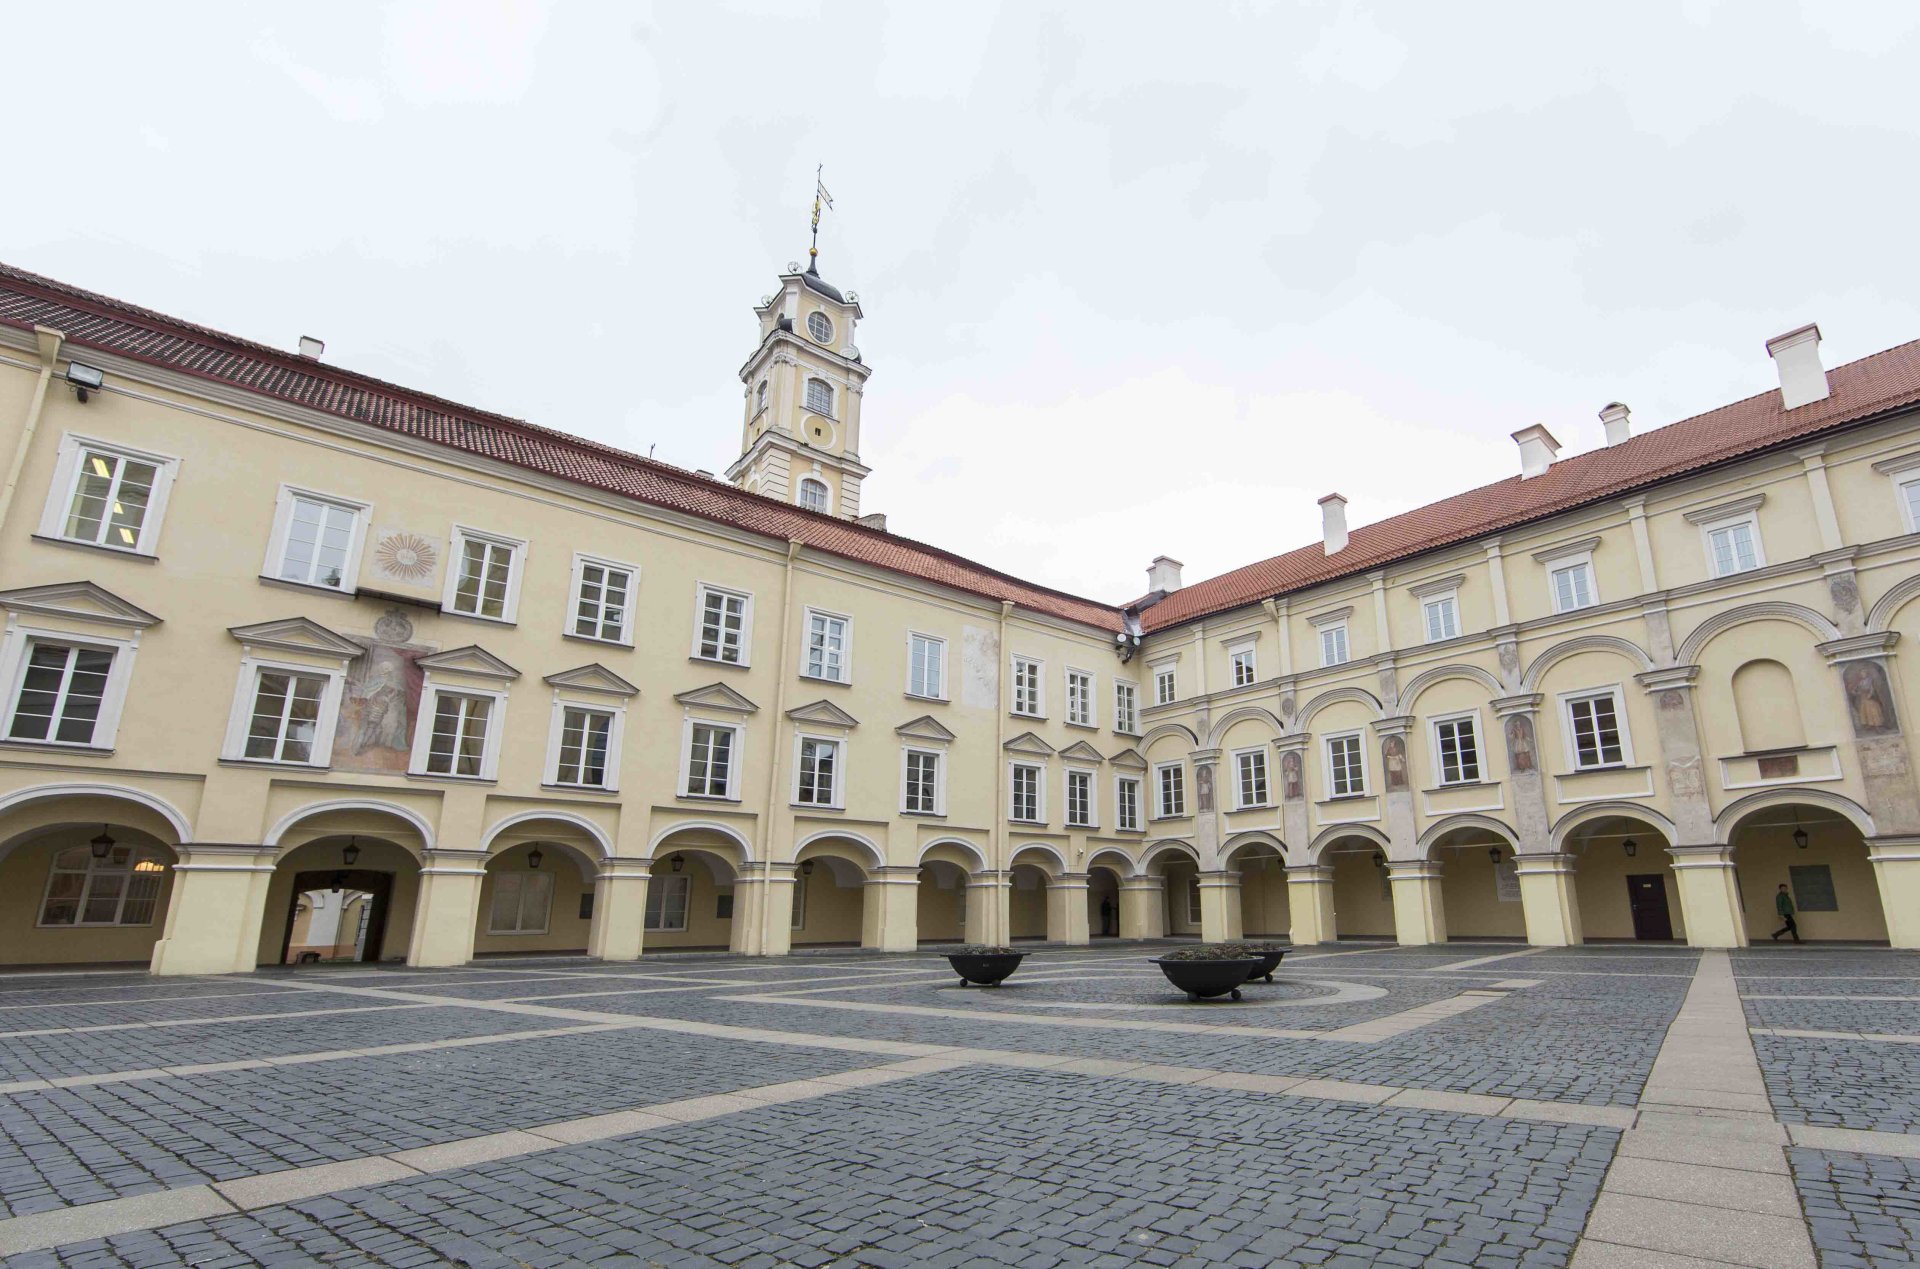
820, 199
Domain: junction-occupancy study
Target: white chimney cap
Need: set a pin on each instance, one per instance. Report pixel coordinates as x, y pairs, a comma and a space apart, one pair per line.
1538, 449
1615, 418
311, 347
1796, 355
1333, 523
1164, 574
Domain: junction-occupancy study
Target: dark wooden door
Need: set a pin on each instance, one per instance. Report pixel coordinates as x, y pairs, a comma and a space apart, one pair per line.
1647, 894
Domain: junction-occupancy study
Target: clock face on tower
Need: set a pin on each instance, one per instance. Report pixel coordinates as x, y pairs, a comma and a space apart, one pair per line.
819, 326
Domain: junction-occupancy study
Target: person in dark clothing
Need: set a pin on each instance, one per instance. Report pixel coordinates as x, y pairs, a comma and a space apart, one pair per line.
1783, 904
1106, 917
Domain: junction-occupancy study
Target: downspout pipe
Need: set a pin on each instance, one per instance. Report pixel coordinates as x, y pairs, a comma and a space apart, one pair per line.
774, 766
997, 845
50, 341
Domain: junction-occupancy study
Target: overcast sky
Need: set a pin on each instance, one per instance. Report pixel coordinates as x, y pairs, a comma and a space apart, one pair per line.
1139, 279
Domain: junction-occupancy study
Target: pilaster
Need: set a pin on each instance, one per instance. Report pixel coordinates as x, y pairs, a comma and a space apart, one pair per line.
1220, 906
989, 907
1310, 900
890, 911
1896, 869
619, 910
1419, 917
448, 910
1549, 900
1143, 908
1671, 688
219, 905
763, 910
1067, 909
1709, 895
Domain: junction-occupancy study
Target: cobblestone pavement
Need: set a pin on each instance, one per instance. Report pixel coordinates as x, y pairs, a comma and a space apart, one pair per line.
851, 1109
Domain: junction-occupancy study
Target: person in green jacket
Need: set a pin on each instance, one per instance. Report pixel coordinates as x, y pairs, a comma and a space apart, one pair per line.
1783, 904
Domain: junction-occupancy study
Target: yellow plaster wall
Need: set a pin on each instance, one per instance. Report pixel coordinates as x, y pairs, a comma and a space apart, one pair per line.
1361, 903
23, 885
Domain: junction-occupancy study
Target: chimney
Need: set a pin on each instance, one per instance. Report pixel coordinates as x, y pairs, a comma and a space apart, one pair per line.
1163, 574
311, 347
704, 474
1333, 523
875, 520
1538, 449
1614, 417
1796, 355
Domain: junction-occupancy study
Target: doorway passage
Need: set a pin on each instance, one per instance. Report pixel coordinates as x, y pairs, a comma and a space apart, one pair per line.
336, 916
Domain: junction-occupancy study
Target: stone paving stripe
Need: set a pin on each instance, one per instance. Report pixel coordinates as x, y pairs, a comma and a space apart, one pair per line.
1687, 1229
1598, 1255
159, 1000
1855, 1140
1394, 1024
982, 1015
1872, 1037
1456, 966
1462, 1103
1343, 1091
1688, 1147
273, 1188
1769, 1193
468, 1151
203, 1022
111, 1218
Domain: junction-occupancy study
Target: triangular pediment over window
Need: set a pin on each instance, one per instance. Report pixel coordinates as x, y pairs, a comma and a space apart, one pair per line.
472, 659
1027, 742
593, 677
823, 713
1129, 759
1081, 751
717, 696
85, 601
925, 727
297, 634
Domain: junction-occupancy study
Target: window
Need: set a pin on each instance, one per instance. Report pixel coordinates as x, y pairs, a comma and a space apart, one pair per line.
1163, 685
1126, 708
1171, 780
1909, 491
814, 495
316, 540
817, 772
720, 632
62, 693
1023, 802
709, 763
521, 901
1250, 778
485, 578
1333, 644
1572, 586
1456, 744
760, 398
1026, 687
1442, 614
1080, 799
586, 745
1245, 673
602, 600
820, 326
287, 712
1593, 722
1126, 804
922, 792
104, 495
1080, 698
122, 889
1733, 547
827, 647
820, 397
667, 902
1346, 769
926, 667
459, 734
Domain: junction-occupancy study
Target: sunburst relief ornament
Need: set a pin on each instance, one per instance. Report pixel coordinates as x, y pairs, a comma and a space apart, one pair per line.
405, 556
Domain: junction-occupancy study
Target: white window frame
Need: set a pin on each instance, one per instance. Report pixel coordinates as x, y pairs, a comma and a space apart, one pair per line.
1085, 715
1578, 566
94, 868
1327, 760
516, 572
1122, 822
939, 756
799, 495
1906, 488
1446, 606
519, 877
1243, 655
837, 801
1472, 719
806, 396
937, 657
580, 562
430, 695
1239, 778
1335, 631
1039, 770
700, 593
556, 735
240, 718
1092, 817
14, 657
672, 881
66, 476
1567, 701
362, 513
1750, 519
846, 646
1160, 809
1037, 674
734, 749
1126, 707
1167, 673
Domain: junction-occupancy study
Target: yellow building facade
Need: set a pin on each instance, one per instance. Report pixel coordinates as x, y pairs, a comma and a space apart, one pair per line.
282, 640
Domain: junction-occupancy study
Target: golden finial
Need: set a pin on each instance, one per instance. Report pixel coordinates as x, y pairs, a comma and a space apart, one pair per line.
820, 198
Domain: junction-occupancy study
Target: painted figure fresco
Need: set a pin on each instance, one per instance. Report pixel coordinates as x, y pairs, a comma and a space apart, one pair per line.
1520, 752
378, 710
1393, 750
1869, 700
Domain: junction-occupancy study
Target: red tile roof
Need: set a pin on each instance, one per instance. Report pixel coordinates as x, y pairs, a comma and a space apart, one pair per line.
1858, 391
97, 321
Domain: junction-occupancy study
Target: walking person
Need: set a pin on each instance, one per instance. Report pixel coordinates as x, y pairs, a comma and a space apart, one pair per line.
1783, 904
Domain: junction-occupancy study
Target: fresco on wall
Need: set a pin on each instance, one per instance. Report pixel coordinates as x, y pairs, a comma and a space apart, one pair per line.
379, 706
1869, 700
1394, 750
1520, 743
1290, 775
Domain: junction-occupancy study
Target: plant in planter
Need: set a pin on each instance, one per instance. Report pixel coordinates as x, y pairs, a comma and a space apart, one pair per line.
987, 966
1208, 970
1269, 954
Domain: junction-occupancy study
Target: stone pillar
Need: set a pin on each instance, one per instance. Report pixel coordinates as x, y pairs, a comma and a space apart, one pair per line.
1879, 744
619, 910
1067, 909
1294, 833
1709, 895
1143, 908
890, 911
1548, 900
1220, 906
989, 913
1419, 918
1519, 726
767, 908
218, 907
1310, 900
448, 910
1679, 733
1396, 787
1896, 867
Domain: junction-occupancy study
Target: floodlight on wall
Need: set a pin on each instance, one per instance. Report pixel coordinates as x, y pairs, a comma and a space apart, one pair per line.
351, 853
84, 379
103, 844
678, 862
1631, 847
534, 857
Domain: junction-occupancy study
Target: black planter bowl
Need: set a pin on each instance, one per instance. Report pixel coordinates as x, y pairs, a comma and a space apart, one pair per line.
1268, 962
1203, 980
988, 970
